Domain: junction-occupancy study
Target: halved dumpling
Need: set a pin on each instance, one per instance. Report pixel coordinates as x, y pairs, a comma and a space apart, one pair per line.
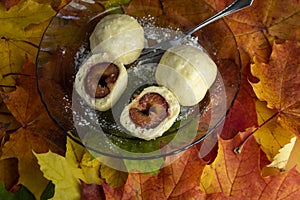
188, 72
119, 35
101, 82
151, 113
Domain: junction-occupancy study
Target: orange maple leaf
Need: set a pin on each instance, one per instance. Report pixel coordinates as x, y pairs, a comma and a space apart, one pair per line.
236, 173
180, 180
256, 27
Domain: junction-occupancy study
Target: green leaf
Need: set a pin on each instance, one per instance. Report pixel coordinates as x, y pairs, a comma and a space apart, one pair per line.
48, 192
4, 194
22, 194
151, 166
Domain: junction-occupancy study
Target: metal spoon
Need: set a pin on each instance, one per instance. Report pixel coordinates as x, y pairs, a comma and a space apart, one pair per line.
154, 52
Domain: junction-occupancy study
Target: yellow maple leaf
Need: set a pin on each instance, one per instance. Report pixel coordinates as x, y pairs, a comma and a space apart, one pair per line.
270, 135
90, 168
22, 28
278, 86
113, 177
66, 172
288, 156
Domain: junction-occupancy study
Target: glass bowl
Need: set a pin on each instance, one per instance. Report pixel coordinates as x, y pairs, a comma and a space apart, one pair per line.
65, 46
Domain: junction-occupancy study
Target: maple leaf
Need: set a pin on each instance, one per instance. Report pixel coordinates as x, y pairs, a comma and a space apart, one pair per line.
256, 27
270, 135
169, 13
288, 157
236, 173
24, 25
92, 192
113, 177
180, 180
242, 114
20, 17
279, 82
141, 8
7, 122
67, 172
64, 176
9, 172
37, 132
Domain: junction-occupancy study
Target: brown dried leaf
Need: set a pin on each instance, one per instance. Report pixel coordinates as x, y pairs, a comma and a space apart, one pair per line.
37, 133
92, 192
9, 172
140, 8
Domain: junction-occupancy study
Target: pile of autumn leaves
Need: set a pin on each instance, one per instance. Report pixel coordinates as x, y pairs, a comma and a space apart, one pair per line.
257, 154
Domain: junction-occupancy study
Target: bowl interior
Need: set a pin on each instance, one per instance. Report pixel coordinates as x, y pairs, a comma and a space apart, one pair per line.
65, 46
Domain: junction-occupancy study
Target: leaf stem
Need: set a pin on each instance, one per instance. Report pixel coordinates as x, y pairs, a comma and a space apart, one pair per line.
256, 129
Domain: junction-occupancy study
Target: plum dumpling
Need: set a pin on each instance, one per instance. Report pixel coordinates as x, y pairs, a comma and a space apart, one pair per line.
188, 72
101, 82
150, 113
119, 35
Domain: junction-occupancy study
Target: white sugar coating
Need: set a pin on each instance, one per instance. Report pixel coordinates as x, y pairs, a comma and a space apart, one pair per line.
188, 72
155, 34
151, 133
81, 56
105, 103
67, 104
145, 73
119, 35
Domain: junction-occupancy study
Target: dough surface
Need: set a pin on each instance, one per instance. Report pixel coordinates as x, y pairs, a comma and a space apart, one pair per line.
188, 72
105, 103
151, 133
119, 35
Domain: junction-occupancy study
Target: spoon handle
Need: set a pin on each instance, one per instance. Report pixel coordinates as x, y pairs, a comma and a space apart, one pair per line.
233, 7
